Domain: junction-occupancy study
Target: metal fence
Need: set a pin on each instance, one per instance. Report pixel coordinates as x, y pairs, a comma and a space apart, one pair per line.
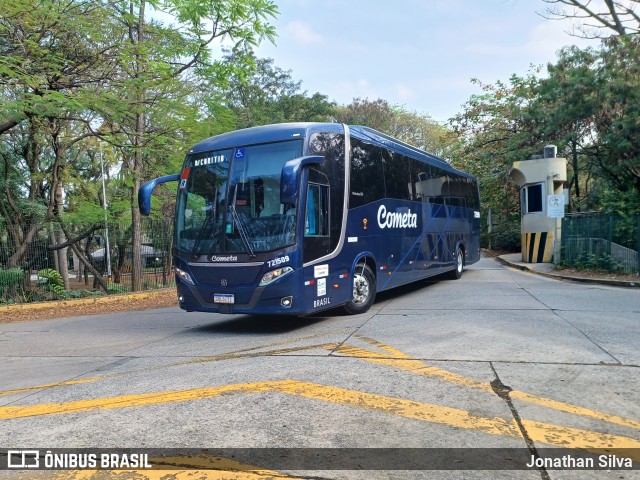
44, 274
601, 242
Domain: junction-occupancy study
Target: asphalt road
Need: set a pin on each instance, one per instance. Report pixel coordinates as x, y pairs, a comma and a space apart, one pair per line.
500, 359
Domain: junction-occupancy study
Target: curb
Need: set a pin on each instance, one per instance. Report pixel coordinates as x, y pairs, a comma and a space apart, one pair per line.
570, 278
24, 307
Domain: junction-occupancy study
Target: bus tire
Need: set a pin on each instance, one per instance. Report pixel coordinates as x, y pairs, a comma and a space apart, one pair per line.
364, 290
456, 273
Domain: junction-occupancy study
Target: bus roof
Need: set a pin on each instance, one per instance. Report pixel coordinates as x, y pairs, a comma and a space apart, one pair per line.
288, 131
263, 134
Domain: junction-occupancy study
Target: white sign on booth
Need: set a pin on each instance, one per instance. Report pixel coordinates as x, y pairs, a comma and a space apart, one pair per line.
555, 206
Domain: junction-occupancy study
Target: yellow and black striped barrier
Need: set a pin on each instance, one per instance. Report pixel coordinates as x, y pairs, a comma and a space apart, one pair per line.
537, 247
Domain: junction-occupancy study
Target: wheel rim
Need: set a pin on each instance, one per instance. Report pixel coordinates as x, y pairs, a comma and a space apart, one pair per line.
360, 289
459, 260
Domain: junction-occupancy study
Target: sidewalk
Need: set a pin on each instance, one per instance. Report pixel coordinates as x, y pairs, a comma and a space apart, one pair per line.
160, 298
514, 260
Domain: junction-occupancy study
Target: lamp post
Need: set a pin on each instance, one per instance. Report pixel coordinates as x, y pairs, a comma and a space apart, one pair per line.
106, 223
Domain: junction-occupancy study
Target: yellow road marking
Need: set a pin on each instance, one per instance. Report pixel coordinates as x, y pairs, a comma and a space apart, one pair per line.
238, 354
568, 408
405, 408
384, 346
418, 367
50, 385
125, 401
268, 345
539, 431
249, 353
567, 437
427, 412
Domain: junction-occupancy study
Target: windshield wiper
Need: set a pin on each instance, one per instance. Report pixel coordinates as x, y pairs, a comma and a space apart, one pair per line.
243, 234
205, 228
241, 227
211, 214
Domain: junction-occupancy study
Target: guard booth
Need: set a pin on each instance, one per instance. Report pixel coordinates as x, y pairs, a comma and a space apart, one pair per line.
541, 180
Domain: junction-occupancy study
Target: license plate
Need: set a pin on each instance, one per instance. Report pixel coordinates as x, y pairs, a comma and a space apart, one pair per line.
223, 298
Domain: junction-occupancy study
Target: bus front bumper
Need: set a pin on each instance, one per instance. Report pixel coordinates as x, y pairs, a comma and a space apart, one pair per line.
281, 298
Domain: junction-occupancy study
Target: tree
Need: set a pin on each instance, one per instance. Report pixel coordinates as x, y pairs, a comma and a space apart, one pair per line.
618, 17
565, 105
269, 94
591, 107
587, 105
416, 129
617, 120
496, 131
74, 69
157, 61
377, 114
52, 53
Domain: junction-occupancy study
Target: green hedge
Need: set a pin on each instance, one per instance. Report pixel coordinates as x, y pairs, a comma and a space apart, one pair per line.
504, 237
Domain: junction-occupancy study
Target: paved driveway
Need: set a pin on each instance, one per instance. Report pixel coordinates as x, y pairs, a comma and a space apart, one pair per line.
500, 360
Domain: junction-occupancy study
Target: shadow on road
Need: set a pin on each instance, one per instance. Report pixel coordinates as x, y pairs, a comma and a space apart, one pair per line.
262, 324
276, 324
410, 288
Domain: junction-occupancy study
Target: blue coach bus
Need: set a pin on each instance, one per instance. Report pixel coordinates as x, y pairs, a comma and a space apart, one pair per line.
299, 218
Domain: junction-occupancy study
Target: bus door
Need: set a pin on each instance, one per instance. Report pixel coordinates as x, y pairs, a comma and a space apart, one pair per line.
316, 242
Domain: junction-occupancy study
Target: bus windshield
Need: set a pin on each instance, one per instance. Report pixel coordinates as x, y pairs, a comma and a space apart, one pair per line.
229, 201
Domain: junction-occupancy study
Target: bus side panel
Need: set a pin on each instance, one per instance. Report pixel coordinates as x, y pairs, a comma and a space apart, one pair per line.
393, 230
320, 280
409, 248
473, 253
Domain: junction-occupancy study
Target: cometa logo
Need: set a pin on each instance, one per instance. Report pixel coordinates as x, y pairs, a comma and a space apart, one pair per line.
395, 219
230, 258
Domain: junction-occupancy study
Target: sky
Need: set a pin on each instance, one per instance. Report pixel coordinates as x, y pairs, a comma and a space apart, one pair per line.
420, 54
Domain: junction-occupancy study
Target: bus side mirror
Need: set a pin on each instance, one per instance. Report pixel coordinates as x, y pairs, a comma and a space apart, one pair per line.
144, 194
290, 175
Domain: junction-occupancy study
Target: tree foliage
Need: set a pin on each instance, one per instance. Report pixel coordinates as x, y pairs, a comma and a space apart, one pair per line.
53, 58
268, 94
591, 108
417, 129
74, 71
494, 131
587, 104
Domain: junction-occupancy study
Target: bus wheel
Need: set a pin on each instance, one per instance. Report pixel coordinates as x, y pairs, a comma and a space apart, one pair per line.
456, 273
364, 290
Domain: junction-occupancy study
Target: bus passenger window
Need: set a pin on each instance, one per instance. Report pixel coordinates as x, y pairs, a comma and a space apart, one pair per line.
397, 176
317, 218
367, 181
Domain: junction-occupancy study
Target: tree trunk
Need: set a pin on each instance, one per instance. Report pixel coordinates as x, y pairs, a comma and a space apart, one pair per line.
136, 267
87, 263
63, 262
54, 240
18, 257
61, 255
576, 178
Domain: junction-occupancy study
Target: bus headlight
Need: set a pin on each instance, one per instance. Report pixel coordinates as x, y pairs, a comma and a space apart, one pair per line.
184, 276
273, 275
